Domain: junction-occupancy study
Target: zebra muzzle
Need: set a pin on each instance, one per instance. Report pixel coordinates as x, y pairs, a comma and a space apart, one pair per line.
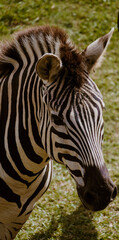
98, 191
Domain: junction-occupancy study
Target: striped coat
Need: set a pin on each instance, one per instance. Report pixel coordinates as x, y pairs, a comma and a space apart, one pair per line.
50, 109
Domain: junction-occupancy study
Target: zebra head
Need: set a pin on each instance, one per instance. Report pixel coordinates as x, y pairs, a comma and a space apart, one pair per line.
74, 105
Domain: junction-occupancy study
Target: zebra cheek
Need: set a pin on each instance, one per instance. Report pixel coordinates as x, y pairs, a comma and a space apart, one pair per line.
81, 182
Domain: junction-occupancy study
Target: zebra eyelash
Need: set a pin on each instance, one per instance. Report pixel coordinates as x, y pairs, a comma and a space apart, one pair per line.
57, 118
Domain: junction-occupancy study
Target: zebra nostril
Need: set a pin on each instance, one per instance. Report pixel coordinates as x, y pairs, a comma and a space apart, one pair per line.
114, 194
89, 197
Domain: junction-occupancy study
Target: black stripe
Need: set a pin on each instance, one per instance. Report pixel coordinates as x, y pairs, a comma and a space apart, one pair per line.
41, 47
47, 44
3, 118
8, 194
38, 189
23, 134
76, 173
67, 147
77, 133
11, 131
10, 234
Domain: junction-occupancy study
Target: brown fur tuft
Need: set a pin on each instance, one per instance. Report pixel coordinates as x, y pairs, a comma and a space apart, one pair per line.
72, 60
74, 63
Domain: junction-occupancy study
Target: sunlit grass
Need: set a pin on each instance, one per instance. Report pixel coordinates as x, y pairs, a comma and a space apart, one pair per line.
59, 214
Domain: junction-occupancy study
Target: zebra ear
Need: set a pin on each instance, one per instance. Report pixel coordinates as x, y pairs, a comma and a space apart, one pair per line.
48, 66
93, 54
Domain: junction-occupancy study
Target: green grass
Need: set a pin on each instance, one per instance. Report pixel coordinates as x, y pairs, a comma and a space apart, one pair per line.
59, 214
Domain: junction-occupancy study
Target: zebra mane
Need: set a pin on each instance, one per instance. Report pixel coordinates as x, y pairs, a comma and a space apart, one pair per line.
69, 54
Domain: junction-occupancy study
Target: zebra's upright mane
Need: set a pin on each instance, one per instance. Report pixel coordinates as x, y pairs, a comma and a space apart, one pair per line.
55, 40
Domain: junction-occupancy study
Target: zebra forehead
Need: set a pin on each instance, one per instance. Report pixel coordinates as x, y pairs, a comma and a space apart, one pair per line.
49, 39
91, 96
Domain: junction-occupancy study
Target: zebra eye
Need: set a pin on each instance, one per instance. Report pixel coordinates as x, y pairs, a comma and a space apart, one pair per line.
57, 119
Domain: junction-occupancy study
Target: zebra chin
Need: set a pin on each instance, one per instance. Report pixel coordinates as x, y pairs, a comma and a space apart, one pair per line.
98, 191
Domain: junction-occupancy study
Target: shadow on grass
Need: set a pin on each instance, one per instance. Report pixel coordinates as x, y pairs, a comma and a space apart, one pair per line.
77, 226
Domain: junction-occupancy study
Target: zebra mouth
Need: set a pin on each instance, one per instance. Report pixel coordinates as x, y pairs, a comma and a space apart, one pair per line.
87, 206
90, 202
94, 208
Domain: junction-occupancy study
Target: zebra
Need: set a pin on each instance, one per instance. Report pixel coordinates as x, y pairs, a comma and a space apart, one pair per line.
50, 109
